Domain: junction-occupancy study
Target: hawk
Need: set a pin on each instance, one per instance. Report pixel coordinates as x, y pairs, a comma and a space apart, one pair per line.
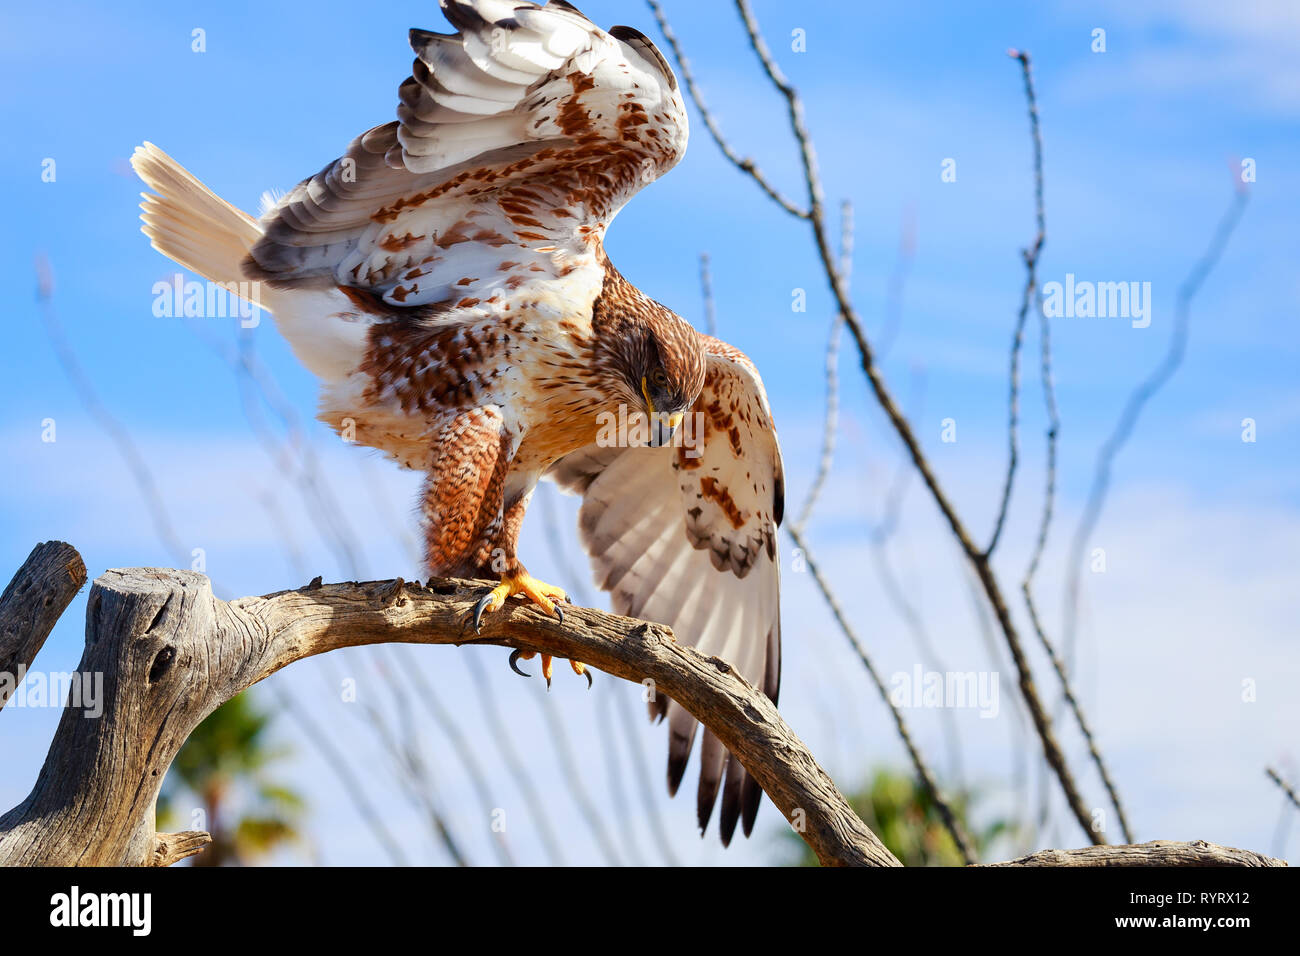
447, 282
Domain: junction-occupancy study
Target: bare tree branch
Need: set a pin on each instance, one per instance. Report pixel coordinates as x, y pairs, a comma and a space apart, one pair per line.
745, 165
1155, 853
171, 653
1285, 787
171, 848
977, 558
1031, 255
38, 594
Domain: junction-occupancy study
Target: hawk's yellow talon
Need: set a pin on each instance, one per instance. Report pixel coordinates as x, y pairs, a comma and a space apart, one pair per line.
539, 592
545, 596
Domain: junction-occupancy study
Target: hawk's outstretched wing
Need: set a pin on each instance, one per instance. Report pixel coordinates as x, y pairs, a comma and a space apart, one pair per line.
691, 542
518, 139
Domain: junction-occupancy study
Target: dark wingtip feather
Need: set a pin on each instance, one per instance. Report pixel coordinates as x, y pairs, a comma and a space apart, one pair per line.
643, 44
705, 798
751, 795
732, 795
713, 763
464, 17
565, 5
772, 665
679, 753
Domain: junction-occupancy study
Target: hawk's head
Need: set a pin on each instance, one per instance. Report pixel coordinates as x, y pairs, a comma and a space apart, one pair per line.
650, 359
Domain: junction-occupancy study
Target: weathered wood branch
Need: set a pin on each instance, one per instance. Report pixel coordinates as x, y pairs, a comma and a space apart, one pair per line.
41, 590
168, 848
1155, 853
169, 653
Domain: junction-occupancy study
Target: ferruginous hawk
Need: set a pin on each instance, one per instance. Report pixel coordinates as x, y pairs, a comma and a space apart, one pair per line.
446, 280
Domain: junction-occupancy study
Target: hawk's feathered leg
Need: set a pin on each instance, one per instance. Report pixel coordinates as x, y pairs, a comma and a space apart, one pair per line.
471, 529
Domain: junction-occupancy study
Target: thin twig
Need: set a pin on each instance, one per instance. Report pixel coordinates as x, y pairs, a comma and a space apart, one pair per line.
1026, 585
572, 775
1067, 691
897, 281
831, 421
1285, 787
879, 537
1030, 255
745, 165
950, 821
706, 294
609, 746
1137, 401
91, 402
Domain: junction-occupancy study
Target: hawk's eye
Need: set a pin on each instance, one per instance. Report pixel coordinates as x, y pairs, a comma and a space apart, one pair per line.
659, 378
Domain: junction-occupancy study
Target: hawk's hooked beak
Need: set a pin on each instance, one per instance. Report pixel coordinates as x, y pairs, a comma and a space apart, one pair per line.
662, 427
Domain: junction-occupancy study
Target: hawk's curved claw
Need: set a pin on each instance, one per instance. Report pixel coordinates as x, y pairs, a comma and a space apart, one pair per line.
514, 662
481, 607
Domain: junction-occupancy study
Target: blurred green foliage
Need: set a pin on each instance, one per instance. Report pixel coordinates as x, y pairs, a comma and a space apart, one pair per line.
901, 813
223, 773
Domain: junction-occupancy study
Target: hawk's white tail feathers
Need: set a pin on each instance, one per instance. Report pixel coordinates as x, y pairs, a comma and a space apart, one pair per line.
189, 223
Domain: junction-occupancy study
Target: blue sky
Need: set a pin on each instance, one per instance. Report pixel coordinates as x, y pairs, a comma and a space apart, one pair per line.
1141, 146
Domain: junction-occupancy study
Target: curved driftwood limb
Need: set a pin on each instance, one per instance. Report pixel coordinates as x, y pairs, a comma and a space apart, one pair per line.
41, 590
1155, 853
170, 653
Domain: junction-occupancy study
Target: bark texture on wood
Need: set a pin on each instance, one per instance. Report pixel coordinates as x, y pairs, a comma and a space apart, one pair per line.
170, 847
41, 590
1155, 853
